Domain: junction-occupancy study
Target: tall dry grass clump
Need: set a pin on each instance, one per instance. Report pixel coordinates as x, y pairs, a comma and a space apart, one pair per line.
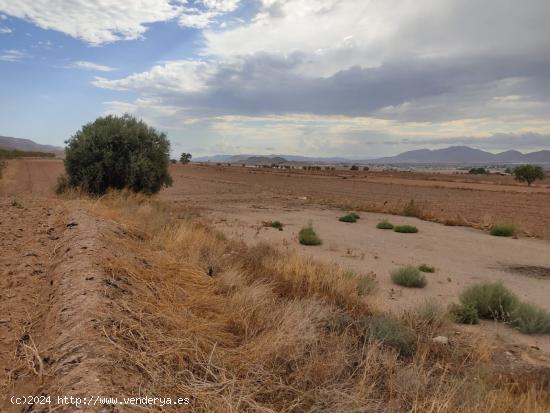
266, 331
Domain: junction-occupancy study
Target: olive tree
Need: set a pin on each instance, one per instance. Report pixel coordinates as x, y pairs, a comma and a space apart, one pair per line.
117, 152
528, 173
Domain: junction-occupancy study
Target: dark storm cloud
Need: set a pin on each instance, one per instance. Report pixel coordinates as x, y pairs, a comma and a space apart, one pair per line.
268, 85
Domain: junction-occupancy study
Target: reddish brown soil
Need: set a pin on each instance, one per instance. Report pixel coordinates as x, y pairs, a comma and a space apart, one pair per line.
452, 199
478, 204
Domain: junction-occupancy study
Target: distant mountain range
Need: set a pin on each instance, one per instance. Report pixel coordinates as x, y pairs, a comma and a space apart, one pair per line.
466, 155
28, 145
451, 155
250, 158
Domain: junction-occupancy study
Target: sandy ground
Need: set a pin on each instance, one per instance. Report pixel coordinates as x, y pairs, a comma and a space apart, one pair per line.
461, 256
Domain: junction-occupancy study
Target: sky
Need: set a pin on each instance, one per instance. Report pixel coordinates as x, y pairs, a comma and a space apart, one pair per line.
357, 78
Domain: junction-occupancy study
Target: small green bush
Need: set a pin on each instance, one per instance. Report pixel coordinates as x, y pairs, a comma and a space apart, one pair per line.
308, 236
277, 224
530, 319
351, 218
503, 230
406, 229
464, 314
385, 224
491, 300
426, 268
355, 215
390, 332
409, 276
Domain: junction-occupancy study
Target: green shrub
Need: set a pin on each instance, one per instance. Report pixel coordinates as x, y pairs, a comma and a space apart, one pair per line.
385, 224
277, 224
464, 314
308, 236
491, 300
348, 218
355, 215
426, 268
118, 152
503, 230
390, 332
530, 319
406, 229
409, 276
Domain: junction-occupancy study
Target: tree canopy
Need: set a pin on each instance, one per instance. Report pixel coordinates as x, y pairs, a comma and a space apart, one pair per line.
118, 152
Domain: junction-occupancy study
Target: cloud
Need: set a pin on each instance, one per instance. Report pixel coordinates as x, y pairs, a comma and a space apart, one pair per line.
105, 21
13, 55
5, 30
204, 12
93, 21
84, 65
427, 69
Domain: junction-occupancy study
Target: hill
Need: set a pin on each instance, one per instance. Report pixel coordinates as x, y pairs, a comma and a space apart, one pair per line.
466, 155
27, 145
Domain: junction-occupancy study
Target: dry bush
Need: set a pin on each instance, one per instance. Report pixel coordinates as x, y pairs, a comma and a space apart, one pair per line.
270, 332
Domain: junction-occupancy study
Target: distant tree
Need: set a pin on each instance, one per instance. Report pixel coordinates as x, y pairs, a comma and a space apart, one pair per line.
366, 168
185, 158
173, 161
354, 168
117, 152
478, 171
528, 173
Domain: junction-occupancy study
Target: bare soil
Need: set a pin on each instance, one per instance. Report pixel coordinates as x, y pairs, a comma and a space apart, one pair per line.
60, 309
445, 199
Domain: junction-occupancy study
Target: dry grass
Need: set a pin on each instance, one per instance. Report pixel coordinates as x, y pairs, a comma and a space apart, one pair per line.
271, 332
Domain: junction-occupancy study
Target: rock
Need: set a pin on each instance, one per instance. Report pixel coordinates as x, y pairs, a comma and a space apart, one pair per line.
440, 340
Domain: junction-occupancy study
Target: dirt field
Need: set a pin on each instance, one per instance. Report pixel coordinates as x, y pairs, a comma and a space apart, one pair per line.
477, 204
70, 276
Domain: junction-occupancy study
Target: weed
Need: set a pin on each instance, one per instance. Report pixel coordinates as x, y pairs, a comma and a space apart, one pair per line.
530, 319
432, 313
351, 218
385, 224
406, 229
62, 184
15, 203
366, 285
503, 230
277, 224
390, 332
464, 314
426, 268
308, 236
409, 276
491, 300
273, 224
411, 210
